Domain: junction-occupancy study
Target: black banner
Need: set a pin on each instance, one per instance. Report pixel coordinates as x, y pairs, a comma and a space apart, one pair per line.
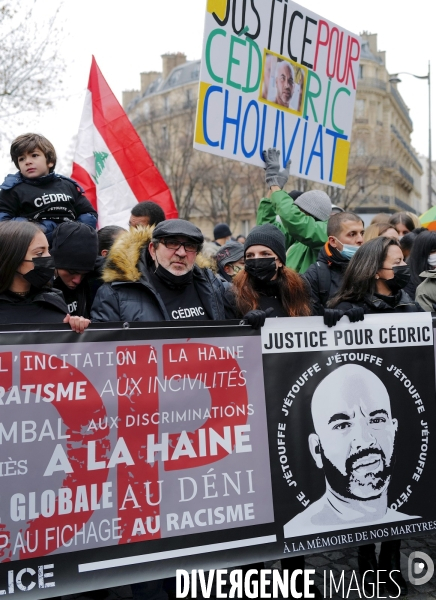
129, 453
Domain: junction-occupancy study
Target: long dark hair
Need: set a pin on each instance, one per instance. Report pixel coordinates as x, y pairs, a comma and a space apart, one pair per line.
404, 219
359, 278
15, 239
423, 245
293, 293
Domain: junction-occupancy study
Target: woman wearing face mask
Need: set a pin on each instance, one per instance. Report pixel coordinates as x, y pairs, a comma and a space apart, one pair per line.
374, 281
266, 283
26, 268
426, 291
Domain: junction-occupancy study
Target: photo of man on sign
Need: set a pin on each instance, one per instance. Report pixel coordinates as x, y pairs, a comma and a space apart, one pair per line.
282, 83
353, 442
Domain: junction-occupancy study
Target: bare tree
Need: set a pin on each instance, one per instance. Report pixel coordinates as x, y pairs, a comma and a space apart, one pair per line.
221, 191
168, 136
365, 175
31, 66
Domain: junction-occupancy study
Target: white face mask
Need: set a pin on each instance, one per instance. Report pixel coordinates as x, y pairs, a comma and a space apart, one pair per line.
432, 260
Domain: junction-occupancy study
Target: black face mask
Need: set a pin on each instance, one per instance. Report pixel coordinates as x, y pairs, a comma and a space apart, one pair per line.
173, 281
43, 271
261, 268
400, 279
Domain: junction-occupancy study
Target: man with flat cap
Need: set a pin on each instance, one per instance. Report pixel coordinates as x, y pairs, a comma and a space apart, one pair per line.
154, 275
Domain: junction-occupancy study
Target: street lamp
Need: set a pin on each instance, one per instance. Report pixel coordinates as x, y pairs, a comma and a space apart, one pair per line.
395, 79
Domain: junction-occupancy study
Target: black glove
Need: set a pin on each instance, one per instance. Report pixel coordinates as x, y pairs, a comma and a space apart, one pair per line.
332, 316
355, 314
256, 318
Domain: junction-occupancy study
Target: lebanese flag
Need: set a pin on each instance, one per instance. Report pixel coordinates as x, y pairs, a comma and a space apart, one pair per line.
111, 162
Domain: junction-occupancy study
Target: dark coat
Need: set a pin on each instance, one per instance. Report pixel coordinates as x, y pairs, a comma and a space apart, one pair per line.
46, 305
53, 197
325, 277
128, 293
400, 303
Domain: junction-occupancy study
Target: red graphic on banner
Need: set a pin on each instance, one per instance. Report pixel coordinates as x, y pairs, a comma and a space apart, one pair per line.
212, 373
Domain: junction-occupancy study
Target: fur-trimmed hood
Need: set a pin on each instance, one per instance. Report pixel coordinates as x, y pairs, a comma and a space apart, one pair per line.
122, 263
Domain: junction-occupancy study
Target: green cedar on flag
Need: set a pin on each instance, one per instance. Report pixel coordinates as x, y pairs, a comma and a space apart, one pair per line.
111, 162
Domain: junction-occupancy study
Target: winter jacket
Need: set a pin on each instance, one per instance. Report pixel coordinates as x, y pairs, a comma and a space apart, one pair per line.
50, 200
426, 291
305, 236
325, 277
45, 305
128, 293
399, 303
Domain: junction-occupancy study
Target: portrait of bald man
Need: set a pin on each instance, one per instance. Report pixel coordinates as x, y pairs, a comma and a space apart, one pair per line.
353, 443
285, 77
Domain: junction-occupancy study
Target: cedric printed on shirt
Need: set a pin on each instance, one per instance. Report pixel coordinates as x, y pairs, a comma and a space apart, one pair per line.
53, 197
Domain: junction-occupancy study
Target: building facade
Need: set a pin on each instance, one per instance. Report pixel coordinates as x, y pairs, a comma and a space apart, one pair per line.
384, 172
425, 183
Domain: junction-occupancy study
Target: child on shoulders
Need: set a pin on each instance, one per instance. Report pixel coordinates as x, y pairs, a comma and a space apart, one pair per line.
36, 193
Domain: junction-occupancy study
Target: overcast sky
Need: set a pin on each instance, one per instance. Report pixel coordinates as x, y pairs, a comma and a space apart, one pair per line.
128, 37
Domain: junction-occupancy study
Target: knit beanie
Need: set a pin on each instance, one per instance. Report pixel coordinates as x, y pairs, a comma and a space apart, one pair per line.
75, 246
222, 230
316, 203
270, 236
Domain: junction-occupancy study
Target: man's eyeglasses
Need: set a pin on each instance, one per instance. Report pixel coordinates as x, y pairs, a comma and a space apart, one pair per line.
175, 245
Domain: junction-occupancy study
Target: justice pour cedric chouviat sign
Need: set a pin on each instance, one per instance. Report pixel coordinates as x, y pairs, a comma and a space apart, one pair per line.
128, 454
275, 74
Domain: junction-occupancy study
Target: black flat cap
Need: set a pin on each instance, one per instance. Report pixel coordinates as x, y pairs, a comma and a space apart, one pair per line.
172, 227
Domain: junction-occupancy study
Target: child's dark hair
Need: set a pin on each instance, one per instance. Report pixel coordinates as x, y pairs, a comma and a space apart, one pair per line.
28, 142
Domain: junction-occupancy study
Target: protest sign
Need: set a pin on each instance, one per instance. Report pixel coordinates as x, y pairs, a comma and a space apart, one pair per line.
351, 416
275, 74
142, 450
129, 453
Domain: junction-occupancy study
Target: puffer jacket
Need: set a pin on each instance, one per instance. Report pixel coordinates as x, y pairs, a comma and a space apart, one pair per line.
128, 293
45, 305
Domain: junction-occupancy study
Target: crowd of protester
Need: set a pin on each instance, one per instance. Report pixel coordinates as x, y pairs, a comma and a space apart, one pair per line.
304, 257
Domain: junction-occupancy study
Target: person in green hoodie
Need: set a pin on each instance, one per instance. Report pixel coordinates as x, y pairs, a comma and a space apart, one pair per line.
303, 221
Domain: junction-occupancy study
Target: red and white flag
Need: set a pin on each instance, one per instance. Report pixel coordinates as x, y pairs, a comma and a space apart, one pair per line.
111, 162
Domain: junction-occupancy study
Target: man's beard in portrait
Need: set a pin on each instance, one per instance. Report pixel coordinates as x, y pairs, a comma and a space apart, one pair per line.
368, 483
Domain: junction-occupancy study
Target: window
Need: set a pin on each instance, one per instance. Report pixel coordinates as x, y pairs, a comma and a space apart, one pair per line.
360, 75
146, 109
360, 109
166, 101
380, 112
165, 135
174, 79
218, 198
360, 146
